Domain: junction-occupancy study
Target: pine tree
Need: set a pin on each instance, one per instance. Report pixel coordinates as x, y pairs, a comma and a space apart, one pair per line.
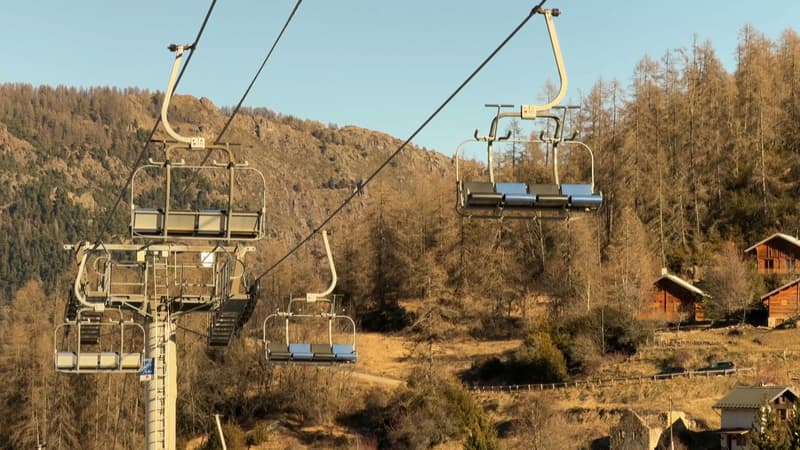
767, 433
793, 427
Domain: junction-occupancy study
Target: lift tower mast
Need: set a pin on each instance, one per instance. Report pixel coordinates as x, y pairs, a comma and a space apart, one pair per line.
187, 256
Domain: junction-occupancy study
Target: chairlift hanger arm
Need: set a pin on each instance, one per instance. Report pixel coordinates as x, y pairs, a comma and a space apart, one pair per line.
531, 111
312, 297
194, 142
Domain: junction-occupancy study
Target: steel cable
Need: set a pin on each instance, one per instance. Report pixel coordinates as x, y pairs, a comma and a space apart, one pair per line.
404, 144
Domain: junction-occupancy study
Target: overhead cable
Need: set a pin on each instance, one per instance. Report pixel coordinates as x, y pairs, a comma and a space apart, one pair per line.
249, 87
263, 63
107, 222
405, 143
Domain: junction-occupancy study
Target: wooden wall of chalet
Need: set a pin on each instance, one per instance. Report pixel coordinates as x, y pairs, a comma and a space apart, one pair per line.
777, 256
783, 305
699, 312
670, 303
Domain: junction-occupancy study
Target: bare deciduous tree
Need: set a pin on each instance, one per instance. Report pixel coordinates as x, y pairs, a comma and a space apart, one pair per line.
729, 281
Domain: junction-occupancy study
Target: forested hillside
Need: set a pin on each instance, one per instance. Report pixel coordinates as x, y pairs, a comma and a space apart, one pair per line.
695, 164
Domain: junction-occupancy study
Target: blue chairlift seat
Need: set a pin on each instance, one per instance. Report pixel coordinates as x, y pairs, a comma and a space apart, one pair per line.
481, 193
581, 195
344, 352
301, 352
515, 195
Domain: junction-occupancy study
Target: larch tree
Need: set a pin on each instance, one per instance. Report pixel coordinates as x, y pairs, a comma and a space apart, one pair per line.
631, 268
730, 283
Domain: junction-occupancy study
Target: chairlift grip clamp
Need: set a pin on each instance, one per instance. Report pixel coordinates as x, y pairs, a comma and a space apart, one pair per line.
180, 47
555, 12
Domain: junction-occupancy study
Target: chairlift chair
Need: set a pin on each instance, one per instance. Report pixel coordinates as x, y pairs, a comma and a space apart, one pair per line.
74, 355
160, 220
288, 350
517, 199
508, 198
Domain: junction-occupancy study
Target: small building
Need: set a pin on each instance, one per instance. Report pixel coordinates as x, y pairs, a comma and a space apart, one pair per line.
647, 431
782, 303
674, 299
778, 254
739, 411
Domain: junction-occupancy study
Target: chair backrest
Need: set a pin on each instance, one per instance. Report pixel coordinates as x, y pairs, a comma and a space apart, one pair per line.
545, 189
512, 188
342, 348
277, 347
299, 348
478, 187
576, 189
321, 349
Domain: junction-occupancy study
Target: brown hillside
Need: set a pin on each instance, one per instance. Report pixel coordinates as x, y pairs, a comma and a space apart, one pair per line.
310, 167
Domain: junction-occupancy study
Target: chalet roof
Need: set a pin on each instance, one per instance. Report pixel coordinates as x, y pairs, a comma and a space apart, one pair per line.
785, 237
752, 397
778, 289
682, 283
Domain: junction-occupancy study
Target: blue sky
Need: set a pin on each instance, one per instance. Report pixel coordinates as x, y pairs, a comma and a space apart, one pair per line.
383, 65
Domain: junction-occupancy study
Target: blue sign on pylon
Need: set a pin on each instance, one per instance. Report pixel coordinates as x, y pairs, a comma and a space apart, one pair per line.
148, 369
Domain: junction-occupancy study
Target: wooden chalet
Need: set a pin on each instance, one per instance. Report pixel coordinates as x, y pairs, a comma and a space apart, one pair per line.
778, 253
782, 303
674, 299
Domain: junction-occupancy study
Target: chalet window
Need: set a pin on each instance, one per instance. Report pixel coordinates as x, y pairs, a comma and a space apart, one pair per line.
740, 440
769, 264
782, 414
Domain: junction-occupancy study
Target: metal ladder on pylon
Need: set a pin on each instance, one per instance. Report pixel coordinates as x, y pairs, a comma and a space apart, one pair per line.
160, 292
160, 277
161, 373
157, 433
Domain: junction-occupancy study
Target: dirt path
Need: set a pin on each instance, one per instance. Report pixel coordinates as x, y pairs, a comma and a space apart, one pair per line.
386, 381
